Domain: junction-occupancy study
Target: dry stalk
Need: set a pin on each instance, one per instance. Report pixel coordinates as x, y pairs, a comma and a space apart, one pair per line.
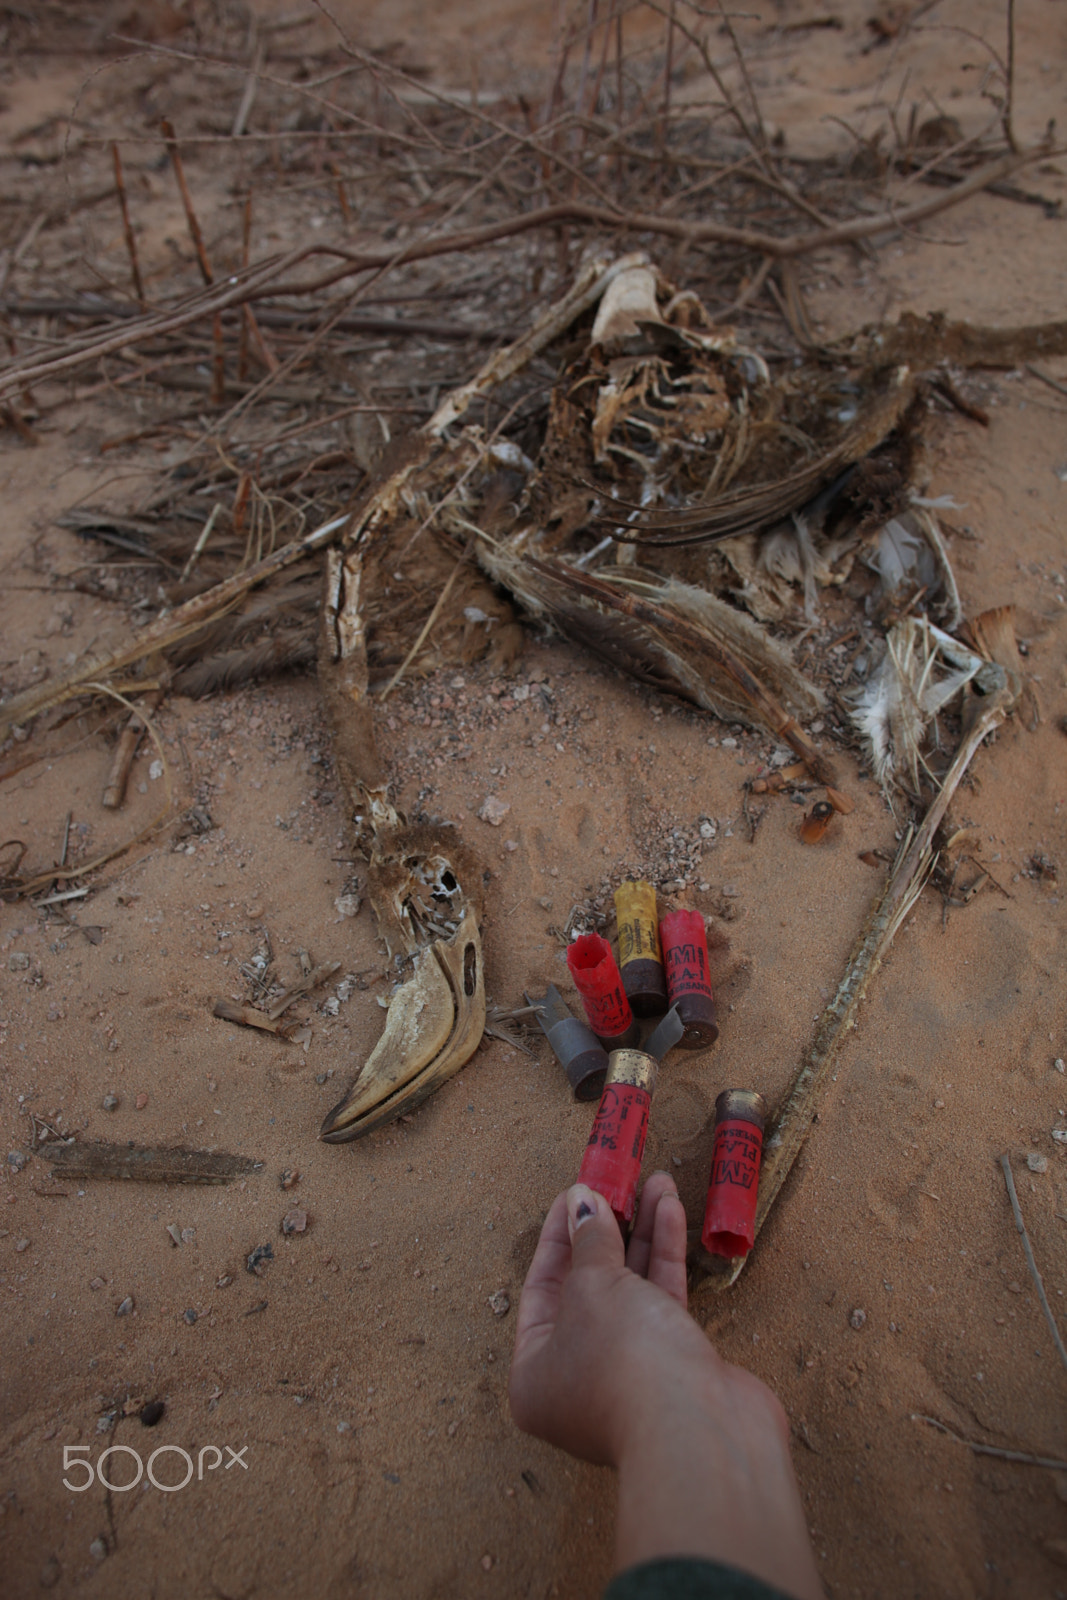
127, 228
161, 634
914, 863
267, 278
1024, 1457
1009, 1179
125, 750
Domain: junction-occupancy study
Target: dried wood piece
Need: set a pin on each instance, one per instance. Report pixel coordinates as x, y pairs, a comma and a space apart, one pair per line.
125, 750
265, 279
1009, 1180
164, 632
147, 1165
310, 980
915, 861
249, 1017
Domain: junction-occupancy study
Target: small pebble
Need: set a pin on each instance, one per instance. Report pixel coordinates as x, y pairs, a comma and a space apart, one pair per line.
857, 1318
500, 1303
50, 1573
493, 810
189, 1316
347, 905
98, 1549
18, 962
224, 1282
1037, 1162
289, 1178
487, 1563
16, 1160
110, 1102
294, 1221
151, 1412
141, 1102
1058, 1064
23, 1244
258, 1258
175, 1235
124, 1307
96, 1283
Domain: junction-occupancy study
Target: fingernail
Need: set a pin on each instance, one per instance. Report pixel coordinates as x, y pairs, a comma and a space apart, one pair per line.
581, 1205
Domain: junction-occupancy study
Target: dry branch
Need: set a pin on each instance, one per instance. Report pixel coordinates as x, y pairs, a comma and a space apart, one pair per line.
162, 633
266, 279
915, 861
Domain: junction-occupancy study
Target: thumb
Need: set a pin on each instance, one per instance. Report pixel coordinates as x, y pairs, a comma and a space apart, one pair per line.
595, 1237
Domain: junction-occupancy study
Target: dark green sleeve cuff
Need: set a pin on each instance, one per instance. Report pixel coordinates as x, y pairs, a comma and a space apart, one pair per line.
686, 1578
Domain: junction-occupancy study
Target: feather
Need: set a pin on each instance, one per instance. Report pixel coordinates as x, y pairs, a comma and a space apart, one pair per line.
923, 669
650, 652
281, 652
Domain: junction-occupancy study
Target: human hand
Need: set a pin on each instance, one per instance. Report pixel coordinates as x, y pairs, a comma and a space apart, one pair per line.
598, 1322
609, 1366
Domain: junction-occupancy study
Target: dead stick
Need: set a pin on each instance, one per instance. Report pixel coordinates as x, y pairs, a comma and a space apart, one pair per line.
218, 367
1009, 1179
793, 1120
171, 141
248, 1017
309, 981
439, 605
127, 228
263, 281
1024, 1457
125, 750
251, 85
164, 632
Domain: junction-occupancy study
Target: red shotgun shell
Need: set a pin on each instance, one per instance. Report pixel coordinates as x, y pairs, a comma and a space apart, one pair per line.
612, 1161
596, 977
730, 1214
685, 956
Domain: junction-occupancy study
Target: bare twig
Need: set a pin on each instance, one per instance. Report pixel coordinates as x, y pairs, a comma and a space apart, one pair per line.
166, 631
127, 228
424, 632
125, 750
310, 980
249, 1017
1005, 1163
1009, 83
915, 861
1023, 1457
266, 279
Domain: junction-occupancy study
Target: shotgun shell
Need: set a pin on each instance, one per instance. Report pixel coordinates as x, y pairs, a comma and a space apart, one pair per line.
640, 961
685, 956
730, 1214
575, 1045
612, 1161
597, 979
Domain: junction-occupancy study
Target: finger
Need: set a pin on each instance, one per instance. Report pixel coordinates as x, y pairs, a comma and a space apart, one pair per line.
551, 1262
666, 1265
640, 1247
595, 1237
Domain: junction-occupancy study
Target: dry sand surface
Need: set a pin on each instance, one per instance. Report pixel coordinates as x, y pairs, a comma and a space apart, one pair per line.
364, 1372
